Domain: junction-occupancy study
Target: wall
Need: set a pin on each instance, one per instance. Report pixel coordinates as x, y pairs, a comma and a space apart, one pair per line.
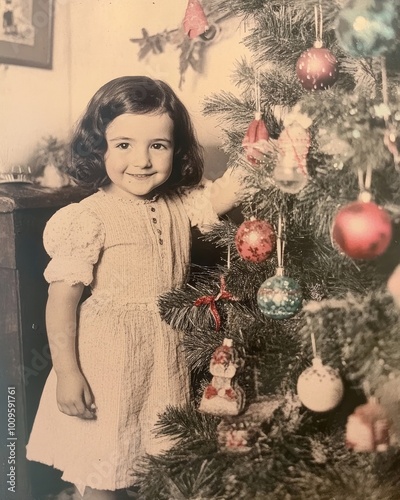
91, 46
34, 102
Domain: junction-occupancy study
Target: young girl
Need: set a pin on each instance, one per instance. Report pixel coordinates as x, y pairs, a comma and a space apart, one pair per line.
116, 364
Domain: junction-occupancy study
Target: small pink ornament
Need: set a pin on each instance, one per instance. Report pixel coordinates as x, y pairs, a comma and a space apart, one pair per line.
256, 141
317, 69
367, 428
195, 21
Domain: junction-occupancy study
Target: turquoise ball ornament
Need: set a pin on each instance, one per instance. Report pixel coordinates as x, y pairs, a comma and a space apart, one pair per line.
279, 297
367, 28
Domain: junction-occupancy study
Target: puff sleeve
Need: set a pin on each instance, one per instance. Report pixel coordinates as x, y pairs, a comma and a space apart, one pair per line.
73, 238
209, 199
198, 206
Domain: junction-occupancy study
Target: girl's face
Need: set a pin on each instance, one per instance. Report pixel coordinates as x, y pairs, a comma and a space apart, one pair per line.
139, 153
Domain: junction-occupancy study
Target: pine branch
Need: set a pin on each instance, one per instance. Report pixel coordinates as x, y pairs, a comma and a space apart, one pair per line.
187, 424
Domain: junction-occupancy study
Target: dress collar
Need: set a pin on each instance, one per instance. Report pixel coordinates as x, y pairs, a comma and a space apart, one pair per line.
131, 201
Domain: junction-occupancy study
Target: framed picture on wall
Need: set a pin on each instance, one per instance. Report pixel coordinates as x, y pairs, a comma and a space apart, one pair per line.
26, 32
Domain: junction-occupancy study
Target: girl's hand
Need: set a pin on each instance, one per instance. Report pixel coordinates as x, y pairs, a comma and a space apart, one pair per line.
74, 397
230, 190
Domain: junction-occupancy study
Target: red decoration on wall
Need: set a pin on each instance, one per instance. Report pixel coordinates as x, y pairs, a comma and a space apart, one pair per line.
195, 22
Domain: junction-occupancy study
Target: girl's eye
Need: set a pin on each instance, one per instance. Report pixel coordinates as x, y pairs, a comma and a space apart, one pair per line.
123, 145
158, 145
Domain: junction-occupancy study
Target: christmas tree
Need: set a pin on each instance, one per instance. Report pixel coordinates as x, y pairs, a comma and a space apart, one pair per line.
294, 337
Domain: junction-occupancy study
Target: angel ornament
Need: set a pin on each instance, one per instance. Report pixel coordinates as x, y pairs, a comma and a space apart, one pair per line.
223, 396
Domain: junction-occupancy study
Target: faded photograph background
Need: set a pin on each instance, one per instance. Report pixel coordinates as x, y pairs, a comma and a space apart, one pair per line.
91, 45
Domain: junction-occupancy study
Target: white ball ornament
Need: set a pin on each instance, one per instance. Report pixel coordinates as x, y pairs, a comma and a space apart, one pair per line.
320, 387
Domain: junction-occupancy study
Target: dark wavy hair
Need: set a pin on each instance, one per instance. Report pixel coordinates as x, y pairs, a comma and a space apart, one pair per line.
136, 95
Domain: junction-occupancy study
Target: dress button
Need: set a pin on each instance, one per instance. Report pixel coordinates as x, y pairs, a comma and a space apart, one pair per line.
152, 209
160, 241
159, 231
154, 220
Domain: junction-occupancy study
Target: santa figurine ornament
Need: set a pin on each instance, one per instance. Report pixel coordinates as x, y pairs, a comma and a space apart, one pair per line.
223, 396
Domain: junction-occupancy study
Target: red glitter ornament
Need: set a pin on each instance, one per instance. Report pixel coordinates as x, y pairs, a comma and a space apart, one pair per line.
317, 68
363, 230
255, 240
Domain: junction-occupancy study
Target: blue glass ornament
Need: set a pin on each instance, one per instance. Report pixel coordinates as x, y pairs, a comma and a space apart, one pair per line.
279, 297
367, 28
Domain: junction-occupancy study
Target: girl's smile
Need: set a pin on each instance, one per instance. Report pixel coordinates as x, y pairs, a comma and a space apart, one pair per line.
139, 153
140, 176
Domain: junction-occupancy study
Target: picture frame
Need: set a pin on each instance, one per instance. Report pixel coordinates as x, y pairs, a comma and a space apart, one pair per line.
26, 32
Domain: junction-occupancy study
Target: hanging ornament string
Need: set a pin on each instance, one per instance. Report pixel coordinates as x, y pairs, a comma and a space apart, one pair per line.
318, 25
314, 345
280, 243
385, 91
257, 95
364, 183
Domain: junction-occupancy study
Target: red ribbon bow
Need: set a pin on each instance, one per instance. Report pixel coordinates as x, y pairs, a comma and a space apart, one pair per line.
211, 300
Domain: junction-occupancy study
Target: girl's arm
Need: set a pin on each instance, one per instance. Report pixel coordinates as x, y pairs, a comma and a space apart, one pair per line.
73, 393
210, 199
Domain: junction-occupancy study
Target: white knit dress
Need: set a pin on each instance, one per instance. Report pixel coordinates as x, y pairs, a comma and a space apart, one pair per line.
130, 252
